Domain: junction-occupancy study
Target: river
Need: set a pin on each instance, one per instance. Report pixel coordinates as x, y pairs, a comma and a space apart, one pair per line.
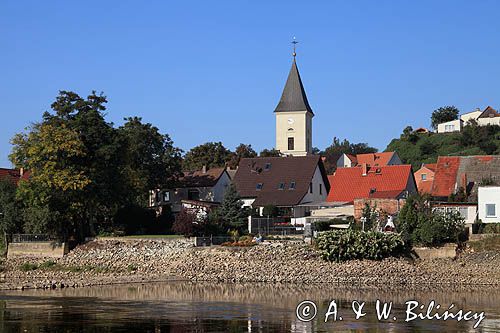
208, 307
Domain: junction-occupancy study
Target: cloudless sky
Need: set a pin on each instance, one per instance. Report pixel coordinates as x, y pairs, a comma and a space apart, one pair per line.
214, 70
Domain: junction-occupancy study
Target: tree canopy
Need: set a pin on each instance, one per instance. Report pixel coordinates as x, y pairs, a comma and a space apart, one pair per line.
210, 154
443, 114
337, 148
242, 151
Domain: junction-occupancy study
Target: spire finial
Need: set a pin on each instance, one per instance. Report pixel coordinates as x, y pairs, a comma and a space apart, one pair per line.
294, 42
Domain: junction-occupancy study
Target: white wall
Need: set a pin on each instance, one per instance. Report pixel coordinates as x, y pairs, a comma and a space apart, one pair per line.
316, 196
489, 195
471, 115
220, 188
344, 162
445, 127
488, 121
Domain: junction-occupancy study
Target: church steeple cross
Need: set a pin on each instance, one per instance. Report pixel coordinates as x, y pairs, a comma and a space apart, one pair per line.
294, 42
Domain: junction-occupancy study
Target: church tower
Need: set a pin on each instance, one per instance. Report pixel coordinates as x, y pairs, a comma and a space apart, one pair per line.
294, 117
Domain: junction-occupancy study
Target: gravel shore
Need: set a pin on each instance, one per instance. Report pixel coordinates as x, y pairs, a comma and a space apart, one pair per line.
113, 261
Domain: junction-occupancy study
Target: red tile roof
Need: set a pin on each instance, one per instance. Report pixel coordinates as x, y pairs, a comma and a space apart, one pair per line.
430, 166
375, 159
424, 186
445, 176
348, 184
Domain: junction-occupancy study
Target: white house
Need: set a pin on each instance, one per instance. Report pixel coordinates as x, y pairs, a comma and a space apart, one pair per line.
489, 204
450, 126
488, 116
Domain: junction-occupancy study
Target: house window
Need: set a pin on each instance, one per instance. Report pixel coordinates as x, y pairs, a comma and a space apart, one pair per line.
158, 196
166, 196
193, 195
490, 210
320, 189
424, 176
281, 186
259, 187
267, 166
291, 144
292, 186
310, 187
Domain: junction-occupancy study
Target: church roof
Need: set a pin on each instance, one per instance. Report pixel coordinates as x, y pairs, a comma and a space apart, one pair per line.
294, 96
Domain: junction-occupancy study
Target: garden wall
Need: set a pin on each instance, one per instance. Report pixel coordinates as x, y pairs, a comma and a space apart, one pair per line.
37, 249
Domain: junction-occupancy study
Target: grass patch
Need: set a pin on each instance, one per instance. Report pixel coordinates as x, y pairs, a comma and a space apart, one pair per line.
28, 266
488, 244
131, 268
48, 264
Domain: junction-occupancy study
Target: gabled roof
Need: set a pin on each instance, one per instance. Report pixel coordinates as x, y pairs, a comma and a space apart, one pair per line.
489, 112
294, 96
375, 159
430, 166
200, 179
270, 172
352, 158
453, 172
390, 181
445, 176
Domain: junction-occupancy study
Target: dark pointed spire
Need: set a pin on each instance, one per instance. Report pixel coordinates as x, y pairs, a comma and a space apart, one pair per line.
294, 96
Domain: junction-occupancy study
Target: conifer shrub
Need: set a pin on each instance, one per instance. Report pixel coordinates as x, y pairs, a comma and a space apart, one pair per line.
343, 245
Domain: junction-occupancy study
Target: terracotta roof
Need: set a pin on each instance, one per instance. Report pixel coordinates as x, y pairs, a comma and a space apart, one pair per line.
489, 112
375, 159
348, 184
200, 179
445, 176
271, 172
425, 186
430, 166
453, 172
13, 175
352, 158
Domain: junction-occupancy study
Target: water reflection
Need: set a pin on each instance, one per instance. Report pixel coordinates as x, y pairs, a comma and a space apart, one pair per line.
206, 307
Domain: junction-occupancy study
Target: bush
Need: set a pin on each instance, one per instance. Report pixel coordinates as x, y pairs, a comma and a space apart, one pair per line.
27, 266
342, 245
491, 228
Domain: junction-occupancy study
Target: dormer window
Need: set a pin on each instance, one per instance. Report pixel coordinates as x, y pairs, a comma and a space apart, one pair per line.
292, 186
267, 166
424, 176
281, 186
259, 186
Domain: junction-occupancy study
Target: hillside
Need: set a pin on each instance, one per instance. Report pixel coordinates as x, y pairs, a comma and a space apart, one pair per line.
416, 149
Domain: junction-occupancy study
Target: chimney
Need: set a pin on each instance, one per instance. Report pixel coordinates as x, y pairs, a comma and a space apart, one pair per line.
21, 172
204, 168
364, 168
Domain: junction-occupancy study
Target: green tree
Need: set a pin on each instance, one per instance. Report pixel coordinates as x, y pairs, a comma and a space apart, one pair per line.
443, 114
270, 153
210, 154
10, 209
231, 211
242, 151
337, 148
150, 158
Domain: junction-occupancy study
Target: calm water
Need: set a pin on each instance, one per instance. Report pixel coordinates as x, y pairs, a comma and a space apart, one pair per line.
203, 307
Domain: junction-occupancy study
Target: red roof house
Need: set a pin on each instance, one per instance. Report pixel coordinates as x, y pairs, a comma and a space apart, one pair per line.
424, 177
384, 182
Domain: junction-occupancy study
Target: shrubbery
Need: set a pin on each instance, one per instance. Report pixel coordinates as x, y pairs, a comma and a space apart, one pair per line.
419, 224
342, 245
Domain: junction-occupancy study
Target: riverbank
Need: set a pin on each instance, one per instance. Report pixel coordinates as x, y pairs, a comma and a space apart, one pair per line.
130, 261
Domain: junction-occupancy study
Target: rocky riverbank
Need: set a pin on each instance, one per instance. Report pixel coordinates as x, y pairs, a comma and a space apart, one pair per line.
114, 261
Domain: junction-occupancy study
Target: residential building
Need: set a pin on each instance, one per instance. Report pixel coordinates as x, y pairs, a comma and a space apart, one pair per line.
488, 116
450, 126
454, 174
285, 182
294, 117
201, 185
382, 182
467, 210
489, 204
424, 177
370, 159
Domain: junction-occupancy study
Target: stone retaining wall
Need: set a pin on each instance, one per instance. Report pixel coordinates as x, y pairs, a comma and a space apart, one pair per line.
446, 251
37, 249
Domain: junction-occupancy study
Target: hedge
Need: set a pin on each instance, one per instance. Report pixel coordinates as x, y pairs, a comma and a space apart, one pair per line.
342, 245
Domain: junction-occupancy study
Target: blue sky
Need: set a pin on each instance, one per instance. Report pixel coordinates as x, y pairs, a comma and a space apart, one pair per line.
214, 70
